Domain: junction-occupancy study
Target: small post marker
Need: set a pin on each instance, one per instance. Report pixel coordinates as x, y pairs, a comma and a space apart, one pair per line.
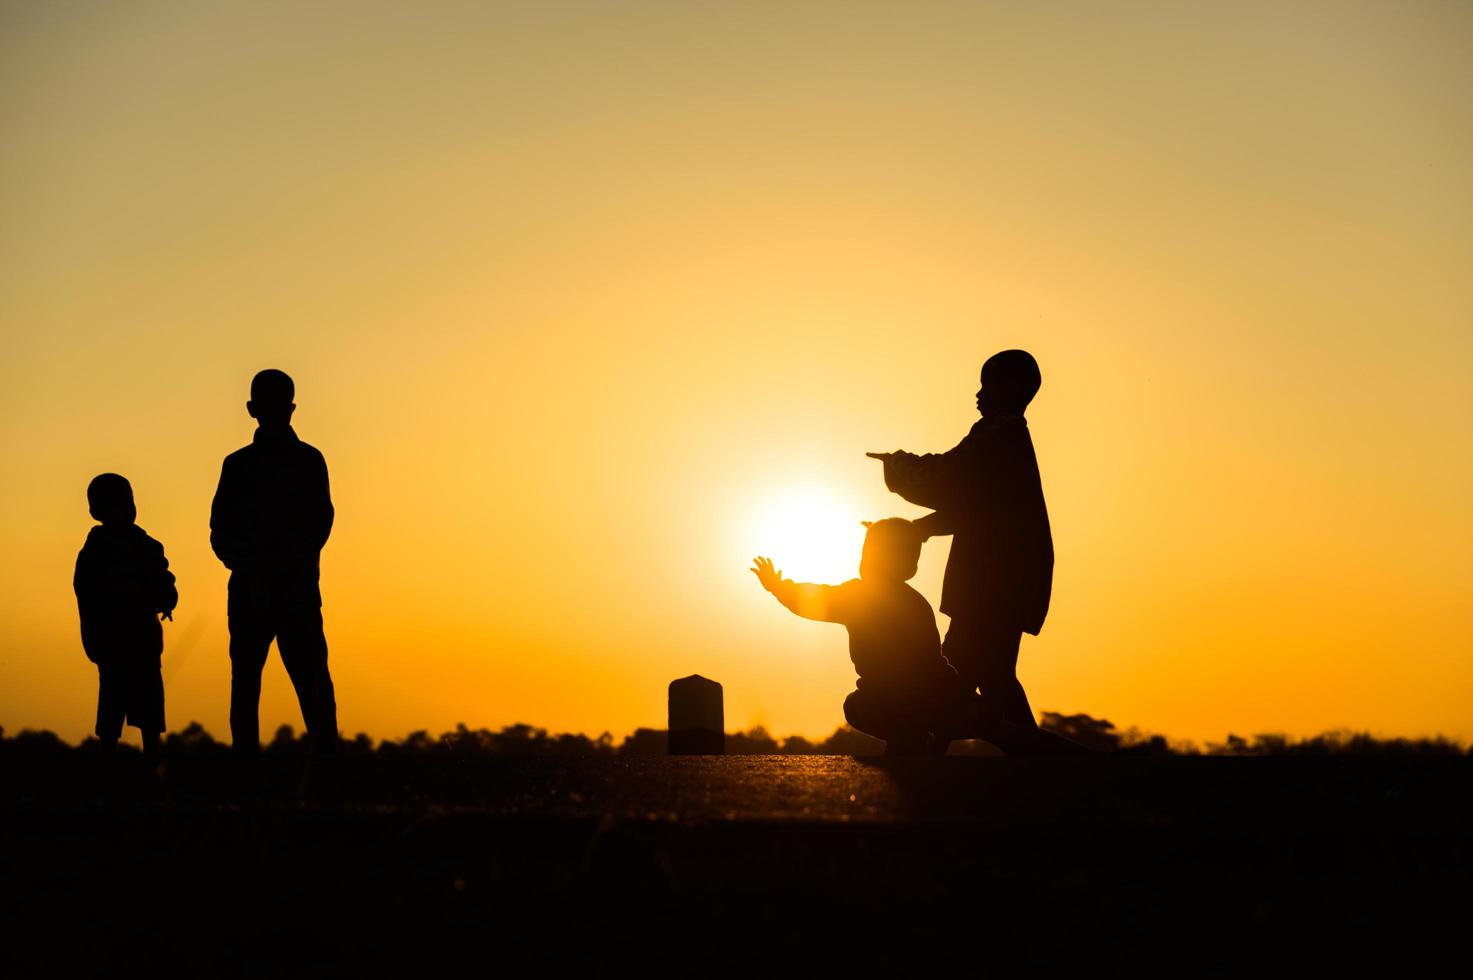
697, 721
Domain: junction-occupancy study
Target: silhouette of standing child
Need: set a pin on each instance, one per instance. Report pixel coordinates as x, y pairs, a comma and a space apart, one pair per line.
906, 693
124, 587
269, 521
986, 493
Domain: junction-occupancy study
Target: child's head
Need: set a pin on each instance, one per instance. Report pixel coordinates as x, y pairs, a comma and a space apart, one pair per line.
892, 549
272, 392
1010, 379
110, 499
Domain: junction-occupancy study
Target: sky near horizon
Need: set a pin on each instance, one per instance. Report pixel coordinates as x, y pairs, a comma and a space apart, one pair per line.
588, 304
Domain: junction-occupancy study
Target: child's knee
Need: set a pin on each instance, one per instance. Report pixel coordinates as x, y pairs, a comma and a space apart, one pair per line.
861, 716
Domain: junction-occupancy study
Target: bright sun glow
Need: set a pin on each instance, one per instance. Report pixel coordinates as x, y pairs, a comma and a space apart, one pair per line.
810, 535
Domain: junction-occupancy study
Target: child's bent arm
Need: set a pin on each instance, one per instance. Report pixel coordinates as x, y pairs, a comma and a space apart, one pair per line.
935, 524
226, 539
166, 595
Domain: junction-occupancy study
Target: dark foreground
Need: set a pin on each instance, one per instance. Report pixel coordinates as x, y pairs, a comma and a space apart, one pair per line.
756, 866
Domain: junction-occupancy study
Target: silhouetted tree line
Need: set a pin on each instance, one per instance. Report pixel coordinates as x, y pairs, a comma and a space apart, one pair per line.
522, 739
1102, 736
1337, 743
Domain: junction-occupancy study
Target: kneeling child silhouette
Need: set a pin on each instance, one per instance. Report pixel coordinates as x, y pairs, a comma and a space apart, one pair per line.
906, 692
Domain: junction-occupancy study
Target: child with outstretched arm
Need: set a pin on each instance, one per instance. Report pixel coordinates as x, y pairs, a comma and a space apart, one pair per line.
987, 494
124, 587
906, 692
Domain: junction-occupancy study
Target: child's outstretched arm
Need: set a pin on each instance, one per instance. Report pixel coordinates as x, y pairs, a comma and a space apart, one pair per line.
820, 602
930, 480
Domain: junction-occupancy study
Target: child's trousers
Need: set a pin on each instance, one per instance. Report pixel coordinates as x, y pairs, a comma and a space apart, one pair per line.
297, 630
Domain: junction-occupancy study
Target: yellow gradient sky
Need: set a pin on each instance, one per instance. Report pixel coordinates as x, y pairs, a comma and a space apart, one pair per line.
589, 303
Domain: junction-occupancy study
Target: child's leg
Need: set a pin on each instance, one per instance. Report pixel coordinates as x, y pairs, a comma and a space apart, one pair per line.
304, 654
900, 725
864, 715
986, 657
111, 707
150, 706
1002, 694
140, 687
250, 642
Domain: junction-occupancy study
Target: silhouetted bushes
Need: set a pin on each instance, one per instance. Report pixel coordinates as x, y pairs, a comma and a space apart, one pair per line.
1100, 735
1336, 743
526, 740
644, 741
194, 739
1092, 733
33, 741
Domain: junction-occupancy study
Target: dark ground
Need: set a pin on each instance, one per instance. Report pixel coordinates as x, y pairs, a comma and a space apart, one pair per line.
756, 866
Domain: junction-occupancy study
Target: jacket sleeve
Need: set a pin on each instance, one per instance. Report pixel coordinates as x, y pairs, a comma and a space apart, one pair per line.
935, 524
935, 479
83, 584
824, 603
227, 535
167, 593
323, 512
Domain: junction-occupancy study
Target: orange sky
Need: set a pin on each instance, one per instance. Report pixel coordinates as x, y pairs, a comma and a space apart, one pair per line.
585, 305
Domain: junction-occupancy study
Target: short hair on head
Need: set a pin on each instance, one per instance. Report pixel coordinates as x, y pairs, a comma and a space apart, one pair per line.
893, 547
1015, 370
108, 489
273, 387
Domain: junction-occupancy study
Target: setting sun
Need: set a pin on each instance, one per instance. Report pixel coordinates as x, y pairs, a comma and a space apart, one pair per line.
811, 535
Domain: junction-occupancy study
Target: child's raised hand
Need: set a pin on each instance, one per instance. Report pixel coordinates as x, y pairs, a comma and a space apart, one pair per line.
766, 574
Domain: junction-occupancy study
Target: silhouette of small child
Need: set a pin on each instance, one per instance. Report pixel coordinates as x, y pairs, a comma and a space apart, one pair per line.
123, 587
906, 692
